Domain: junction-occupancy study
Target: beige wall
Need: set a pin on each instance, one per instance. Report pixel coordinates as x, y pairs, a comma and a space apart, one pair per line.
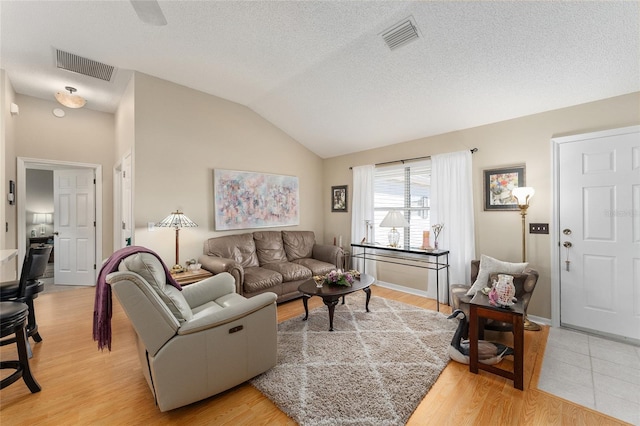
125, 123
82, 136
181, 136
522, 140
8, 237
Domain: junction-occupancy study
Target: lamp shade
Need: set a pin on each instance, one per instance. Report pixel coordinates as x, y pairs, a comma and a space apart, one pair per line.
41, 218
394, 219
523, 194
176, 220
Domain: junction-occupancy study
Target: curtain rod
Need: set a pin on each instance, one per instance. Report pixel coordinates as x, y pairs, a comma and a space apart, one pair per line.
473, 151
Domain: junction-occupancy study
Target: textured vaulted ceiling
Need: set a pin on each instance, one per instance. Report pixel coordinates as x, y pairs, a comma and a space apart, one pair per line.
320, 71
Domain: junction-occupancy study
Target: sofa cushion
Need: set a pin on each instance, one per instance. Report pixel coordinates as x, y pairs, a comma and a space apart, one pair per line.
256, 279
488, 266
298, 244
317, 267
240, 248
289, 271
269, 247
151, 270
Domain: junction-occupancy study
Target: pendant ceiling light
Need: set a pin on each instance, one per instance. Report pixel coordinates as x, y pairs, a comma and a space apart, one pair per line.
69, 99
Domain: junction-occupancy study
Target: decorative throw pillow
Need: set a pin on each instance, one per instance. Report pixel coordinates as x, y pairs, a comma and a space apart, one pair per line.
488, 266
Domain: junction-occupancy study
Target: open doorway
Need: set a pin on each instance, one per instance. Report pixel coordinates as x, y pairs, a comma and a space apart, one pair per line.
39, 214
76, 219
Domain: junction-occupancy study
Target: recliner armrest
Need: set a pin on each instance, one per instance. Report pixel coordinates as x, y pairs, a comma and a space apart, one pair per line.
206, 320
209, 289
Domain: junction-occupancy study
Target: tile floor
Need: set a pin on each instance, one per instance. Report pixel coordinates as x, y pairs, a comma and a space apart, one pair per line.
594, 372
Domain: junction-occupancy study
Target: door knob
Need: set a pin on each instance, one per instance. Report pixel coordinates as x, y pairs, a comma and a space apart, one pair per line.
56, 233
567, 244
566, 231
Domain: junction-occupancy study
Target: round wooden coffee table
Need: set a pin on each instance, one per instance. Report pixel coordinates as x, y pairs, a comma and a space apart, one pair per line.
331, 294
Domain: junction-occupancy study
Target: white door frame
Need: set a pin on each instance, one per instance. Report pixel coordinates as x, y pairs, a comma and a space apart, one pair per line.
555, 222
117, 202
25, 163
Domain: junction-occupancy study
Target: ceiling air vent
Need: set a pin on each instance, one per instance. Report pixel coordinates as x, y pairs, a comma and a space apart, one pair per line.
70, 62
401, 33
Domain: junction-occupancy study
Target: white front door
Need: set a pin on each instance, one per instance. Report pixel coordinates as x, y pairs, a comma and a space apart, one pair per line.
74, 226
599, 232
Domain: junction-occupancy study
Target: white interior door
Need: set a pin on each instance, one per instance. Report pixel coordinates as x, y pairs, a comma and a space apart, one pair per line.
74, 226
599, 232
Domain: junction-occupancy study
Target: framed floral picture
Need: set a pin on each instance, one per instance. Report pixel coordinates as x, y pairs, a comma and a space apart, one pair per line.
498, 184
339, 198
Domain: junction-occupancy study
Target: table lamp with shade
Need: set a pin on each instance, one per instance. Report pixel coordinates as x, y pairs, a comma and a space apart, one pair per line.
177, 220
42, 219
523, 195
394, 219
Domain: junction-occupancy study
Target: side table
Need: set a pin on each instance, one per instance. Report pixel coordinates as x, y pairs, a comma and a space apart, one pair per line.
479, 310
190, 277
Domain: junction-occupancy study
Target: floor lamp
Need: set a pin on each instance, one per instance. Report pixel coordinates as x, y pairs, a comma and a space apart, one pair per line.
522, 196
177, 220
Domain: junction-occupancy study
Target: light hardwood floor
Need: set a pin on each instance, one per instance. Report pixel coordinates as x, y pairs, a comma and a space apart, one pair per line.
81, 385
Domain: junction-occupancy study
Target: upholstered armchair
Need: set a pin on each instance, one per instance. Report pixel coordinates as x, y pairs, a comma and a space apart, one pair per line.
524, 282
199, 341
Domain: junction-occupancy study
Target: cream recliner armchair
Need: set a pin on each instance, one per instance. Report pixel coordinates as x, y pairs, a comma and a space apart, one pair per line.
199, 341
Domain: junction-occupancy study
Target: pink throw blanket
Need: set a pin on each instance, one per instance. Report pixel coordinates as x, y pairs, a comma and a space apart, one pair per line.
102, 304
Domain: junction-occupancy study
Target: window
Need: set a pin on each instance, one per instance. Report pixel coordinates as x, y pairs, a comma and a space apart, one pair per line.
407, 188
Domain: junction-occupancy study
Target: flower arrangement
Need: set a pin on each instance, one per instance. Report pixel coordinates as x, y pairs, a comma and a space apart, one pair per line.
437, 228
338, 277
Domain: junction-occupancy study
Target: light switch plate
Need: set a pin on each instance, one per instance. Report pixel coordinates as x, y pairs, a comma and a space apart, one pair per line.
538, 228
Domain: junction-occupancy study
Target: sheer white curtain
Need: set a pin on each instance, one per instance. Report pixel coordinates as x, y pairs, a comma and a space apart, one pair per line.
362, 210
452, 205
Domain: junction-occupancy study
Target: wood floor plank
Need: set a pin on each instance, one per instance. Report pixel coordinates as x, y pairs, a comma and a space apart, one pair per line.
83, 386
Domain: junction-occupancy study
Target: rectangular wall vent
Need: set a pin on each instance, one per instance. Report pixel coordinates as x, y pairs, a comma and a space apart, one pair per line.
70, 62
401, 34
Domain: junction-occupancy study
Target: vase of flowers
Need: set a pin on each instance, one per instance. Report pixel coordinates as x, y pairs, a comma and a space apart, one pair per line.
437, 228
338, 277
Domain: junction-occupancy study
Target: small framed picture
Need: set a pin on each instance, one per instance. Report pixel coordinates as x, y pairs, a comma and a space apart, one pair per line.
339, 198
498, 184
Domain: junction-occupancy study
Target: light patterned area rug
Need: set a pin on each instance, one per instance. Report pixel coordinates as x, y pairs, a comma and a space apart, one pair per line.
373, 369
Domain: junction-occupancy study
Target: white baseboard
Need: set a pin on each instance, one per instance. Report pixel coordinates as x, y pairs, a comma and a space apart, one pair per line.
539, 320
403, 289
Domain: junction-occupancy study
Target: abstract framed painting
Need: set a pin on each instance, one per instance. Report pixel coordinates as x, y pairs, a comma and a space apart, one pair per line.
245, 200
498, 184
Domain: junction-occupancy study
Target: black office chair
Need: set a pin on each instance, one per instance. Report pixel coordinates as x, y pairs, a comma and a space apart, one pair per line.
27, 287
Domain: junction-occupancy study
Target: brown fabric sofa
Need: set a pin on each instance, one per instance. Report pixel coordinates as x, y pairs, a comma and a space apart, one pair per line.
276, 261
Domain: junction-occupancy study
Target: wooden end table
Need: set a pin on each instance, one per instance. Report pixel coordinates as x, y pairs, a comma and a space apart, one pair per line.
479, 310
331, 294
190, 277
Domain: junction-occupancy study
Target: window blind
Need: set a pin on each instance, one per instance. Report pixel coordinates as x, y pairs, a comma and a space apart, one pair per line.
407, 188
